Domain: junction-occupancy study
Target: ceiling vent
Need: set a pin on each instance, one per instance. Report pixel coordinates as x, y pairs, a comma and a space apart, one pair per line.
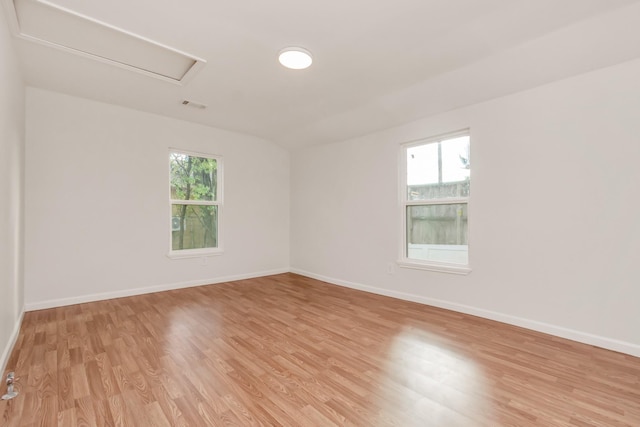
51, 25
194, 104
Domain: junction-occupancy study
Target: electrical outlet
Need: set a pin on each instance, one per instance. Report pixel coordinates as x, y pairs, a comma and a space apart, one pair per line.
391, 268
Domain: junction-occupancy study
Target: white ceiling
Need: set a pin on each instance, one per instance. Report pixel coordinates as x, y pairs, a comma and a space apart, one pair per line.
376, 64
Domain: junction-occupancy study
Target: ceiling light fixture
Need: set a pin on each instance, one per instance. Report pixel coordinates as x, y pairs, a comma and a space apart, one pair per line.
295, 58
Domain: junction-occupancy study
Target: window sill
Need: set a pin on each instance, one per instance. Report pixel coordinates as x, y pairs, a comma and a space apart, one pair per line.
440, 268
194, 253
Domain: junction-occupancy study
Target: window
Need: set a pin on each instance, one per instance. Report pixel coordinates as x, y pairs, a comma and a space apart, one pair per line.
435, 203
196, 201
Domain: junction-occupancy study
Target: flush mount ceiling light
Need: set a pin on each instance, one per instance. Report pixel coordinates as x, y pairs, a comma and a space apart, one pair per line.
295, 58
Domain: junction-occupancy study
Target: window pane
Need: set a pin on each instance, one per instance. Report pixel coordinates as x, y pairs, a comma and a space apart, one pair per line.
438, 191
455, 160
438, 233
193, 178
422, 164
194, 227
439, 170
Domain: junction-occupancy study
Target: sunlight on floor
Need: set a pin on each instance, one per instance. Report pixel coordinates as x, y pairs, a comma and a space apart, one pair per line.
432, 384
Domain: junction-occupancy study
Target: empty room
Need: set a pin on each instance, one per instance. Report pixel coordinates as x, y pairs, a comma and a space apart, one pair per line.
414, 213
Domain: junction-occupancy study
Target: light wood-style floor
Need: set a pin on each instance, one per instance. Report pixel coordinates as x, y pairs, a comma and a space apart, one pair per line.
292, 351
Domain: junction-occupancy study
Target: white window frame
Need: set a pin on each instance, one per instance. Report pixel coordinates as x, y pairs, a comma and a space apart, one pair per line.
201, 252
417, 264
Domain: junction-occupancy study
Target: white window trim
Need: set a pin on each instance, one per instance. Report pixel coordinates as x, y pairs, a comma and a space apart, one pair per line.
403, 202
203, 252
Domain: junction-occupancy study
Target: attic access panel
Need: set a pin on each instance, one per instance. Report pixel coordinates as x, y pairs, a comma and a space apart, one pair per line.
46, 23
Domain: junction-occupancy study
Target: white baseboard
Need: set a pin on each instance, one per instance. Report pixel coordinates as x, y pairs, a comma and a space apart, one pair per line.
41, 305
12, 341
583, 337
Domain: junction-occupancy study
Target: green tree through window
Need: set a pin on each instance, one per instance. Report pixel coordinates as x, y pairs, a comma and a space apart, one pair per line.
194, 201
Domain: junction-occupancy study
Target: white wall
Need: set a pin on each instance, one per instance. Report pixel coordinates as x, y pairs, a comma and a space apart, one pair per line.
554, 214
11, 193
97, 206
